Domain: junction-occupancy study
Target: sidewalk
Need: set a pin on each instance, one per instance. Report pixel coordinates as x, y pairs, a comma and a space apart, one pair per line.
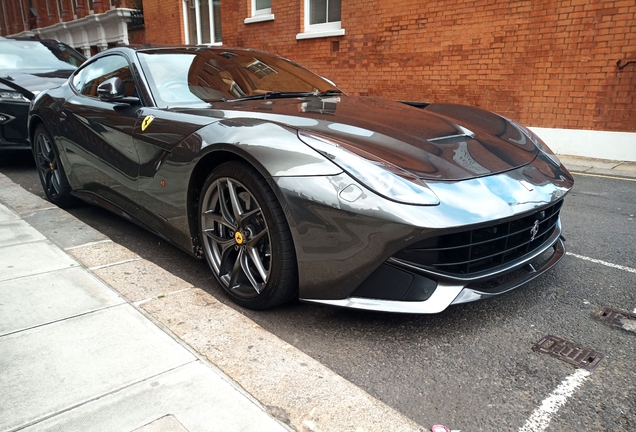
599, 166
93, 337
76, 356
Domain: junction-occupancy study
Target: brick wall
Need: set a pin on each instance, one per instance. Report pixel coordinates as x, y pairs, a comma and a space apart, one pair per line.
543, 62
164, 21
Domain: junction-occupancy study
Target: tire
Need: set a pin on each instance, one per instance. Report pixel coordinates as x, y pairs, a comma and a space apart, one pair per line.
245, 237
50, 169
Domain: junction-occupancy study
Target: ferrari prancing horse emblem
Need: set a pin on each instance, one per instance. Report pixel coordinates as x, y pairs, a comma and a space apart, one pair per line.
146, 122
534, 230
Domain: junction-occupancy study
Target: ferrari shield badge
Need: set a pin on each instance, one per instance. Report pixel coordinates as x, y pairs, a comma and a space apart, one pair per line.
146, 122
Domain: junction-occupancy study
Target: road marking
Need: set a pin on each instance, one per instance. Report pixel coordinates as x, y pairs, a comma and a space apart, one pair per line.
540, 418
603, 176
605, 263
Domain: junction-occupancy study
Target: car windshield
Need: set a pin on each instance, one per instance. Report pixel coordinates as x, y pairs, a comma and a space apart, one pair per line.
202, 75
37, 56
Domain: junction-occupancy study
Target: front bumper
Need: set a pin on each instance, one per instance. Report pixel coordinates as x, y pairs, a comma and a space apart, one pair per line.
13, 129
450, 291
342, 242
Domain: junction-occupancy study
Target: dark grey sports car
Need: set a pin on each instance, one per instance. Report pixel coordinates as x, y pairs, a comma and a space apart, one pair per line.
28, 66
291, 189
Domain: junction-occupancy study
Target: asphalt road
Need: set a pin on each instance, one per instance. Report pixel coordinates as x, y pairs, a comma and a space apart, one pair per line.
471, 367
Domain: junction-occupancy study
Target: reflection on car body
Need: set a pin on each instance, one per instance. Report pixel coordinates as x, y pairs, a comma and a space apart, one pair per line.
290, 188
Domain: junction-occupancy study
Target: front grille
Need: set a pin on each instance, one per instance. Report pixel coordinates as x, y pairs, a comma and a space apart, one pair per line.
485, 248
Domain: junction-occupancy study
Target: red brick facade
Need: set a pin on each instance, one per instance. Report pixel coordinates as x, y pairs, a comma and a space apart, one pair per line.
164, 21
543, 62
546, 63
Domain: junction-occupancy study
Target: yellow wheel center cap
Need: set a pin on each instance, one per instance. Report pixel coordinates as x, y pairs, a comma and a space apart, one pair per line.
238, 237
51, 165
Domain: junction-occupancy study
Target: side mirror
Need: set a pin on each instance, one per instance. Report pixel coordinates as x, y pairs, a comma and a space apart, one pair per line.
114, 90
111, 90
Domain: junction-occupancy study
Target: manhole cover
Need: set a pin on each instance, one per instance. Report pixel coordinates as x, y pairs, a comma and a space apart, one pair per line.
618, 318
568, 352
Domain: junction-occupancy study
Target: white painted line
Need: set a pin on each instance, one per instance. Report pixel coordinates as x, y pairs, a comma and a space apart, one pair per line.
140, 302
540, 418
605, 263
114, 264
88, 244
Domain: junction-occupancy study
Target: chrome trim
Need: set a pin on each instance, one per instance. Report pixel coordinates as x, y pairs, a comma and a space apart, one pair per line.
440, 300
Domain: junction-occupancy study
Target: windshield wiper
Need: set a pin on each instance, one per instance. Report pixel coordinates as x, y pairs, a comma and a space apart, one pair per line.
282, 95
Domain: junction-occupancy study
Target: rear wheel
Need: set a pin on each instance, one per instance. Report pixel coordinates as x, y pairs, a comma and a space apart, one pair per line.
245, 237
50, 170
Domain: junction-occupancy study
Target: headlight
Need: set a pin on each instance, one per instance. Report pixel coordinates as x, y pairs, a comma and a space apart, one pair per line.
11, 96
380, 176
537, 142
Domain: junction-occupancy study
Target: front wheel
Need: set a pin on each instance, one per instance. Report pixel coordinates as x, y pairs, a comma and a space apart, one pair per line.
50, 169
245, 237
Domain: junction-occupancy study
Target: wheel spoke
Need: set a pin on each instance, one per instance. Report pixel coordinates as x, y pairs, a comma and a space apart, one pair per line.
236, 270
48, 181
255, 239
225, 212
210, 214
223, 243
243, 218
236, 205
256, 259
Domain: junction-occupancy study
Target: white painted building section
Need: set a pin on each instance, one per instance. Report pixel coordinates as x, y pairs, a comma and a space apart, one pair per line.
93, 30
620, 146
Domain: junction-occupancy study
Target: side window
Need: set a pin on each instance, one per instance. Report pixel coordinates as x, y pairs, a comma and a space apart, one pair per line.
101, 70
79, 78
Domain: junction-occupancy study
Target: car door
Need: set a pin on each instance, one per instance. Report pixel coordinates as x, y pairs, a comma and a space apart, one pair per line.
99, 146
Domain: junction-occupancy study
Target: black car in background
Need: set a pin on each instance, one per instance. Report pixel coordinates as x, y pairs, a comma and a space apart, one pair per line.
27, 67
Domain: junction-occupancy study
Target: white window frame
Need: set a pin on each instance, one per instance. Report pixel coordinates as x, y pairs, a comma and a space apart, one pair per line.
311, 31
197, 13
259, 15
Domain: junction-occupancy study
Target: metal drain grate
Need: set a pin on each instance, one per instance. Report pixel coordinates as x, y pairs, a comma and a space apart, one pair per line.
583, 358
617, 318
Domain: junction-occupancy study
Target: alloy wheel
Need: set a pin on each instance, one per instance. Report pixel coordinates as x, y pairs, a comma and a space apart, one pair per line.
48, 166
236, 237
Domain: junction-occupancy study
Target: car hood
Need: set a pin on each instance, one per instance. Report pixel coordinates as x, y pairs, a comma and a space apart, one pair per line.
36, 81
438, 142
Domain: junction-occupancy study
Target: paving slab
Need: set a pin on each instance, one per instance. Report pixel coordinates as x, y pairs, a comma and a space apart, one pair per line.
20, 200
141, 280
36, 300
62, 228
7, 215
17, 232
189, 398
100, 254
294, 387
49, 369
32, 258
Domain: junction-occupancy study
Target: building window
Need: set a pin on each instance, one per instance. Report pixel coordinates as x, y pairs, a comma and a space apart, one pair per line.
261, 11
202, 22
322, 19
